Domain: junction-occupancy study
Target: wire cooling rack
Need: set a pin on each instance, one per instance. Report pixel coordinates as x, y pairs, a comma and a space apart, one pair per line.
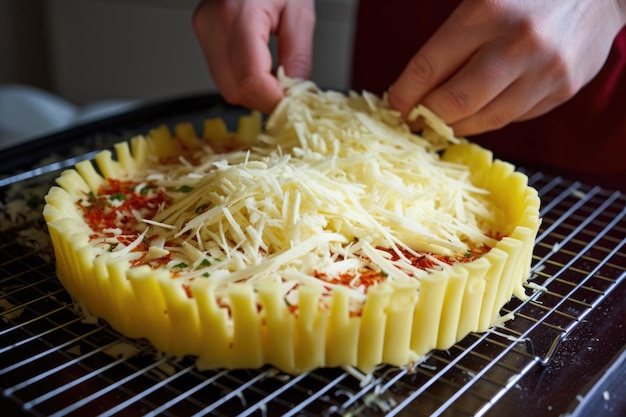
53, 363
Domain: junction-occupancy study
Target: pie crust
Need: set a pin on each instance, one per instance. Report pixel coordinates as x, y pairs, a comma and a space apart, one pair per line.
399, 322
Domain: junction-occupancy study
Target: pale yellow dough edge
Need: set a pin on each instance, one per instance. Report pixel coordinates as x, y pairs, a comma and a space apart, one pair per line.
400, 323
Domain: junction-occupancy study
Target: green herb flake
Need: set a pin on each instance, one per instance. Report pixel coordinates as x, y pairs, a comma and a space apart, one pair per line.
287, 302
185, 189
181, 265
201, 208
94, 200
145, 190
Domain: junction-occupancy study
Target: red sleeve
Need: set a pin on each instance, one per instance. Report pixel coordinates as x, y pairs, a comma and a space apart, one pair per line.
388, 33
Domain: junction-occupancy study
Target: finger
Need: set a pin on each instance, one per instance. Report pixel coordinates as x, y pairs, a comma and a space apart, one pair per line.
425, 71
488, 73
531, 95
295, 38
251, 62
209, 21
434, 63
514, 102
209, 34
561, 91
233, 38
543, 107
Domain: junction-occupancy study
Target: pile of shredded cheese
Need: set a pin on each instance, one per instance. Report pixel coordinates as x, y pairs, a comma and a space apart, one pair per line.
334, 183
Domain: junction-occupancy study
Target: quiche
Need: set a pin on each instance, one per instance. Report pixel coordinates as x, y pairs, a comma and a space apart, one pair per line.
329, 234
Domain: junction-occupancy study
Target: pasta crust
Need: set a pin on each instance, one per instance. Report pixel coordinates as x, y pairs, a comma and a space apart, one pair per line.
291, 245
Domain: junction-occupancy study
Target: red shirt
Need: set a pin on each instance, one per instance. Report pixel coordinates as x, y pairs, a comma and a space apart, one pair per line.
584, 138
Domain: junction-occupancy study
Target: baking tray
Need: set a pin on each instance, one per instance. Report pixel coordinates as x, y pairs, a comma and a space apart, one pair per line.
561, 354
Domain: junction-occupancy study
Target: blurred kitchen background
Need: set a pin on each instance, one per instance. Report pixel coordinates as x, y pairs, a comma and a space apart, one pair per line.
67, 61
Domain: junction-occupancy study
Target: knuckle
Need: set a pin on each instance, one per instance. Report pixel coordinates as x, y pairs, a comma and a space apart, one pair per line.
254, 91
299, 64
534, 39
567, 82
399, 100
531, 33
495, 119
454, 100
233, 97
247, 85
236, 91
529, 38
558, 72
421, 69
555, 67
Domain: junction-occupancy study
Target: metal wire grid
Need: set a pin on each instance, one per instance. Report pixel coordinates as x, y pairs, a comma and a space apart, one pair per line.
52, 363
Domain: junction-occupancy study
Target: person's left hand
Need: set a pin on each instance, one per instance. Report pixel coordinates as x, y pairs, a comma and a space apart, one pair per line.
234, 36
499, 61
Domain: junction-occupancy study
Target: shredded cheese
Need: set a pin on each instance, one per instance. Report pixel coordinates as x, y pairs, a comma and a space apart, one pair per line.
331, 175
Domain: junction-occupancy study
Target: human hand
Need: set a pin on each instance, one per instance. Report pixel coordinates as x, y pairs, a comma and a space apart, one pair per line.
234, 36
499, 61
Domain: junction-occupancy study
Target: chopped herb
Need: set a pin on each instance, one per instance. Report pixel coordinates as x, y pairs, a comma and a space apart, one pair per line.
206, 275
185, 189
91, 198
468, 253
181, 265
118, 196
384, 274
145, 190
201, 208
287, 302
94, 200
205, 262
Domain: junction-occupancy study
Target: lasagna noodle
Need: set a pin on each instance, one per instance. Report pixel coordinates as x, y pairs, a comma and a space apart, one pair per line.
400, 321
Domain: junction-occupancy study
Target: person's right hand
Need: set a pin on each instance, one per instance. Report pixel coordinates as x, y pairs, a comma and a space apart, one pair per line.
501, 61
234, 36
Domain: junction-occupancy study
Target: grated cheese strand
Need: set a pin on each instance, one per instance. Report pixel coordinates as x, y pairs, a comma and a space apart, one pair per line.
331, 174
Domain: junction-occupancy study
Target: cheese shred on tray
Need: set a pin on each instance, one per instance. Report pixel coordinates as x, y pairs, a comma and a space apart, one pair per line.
329, 235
